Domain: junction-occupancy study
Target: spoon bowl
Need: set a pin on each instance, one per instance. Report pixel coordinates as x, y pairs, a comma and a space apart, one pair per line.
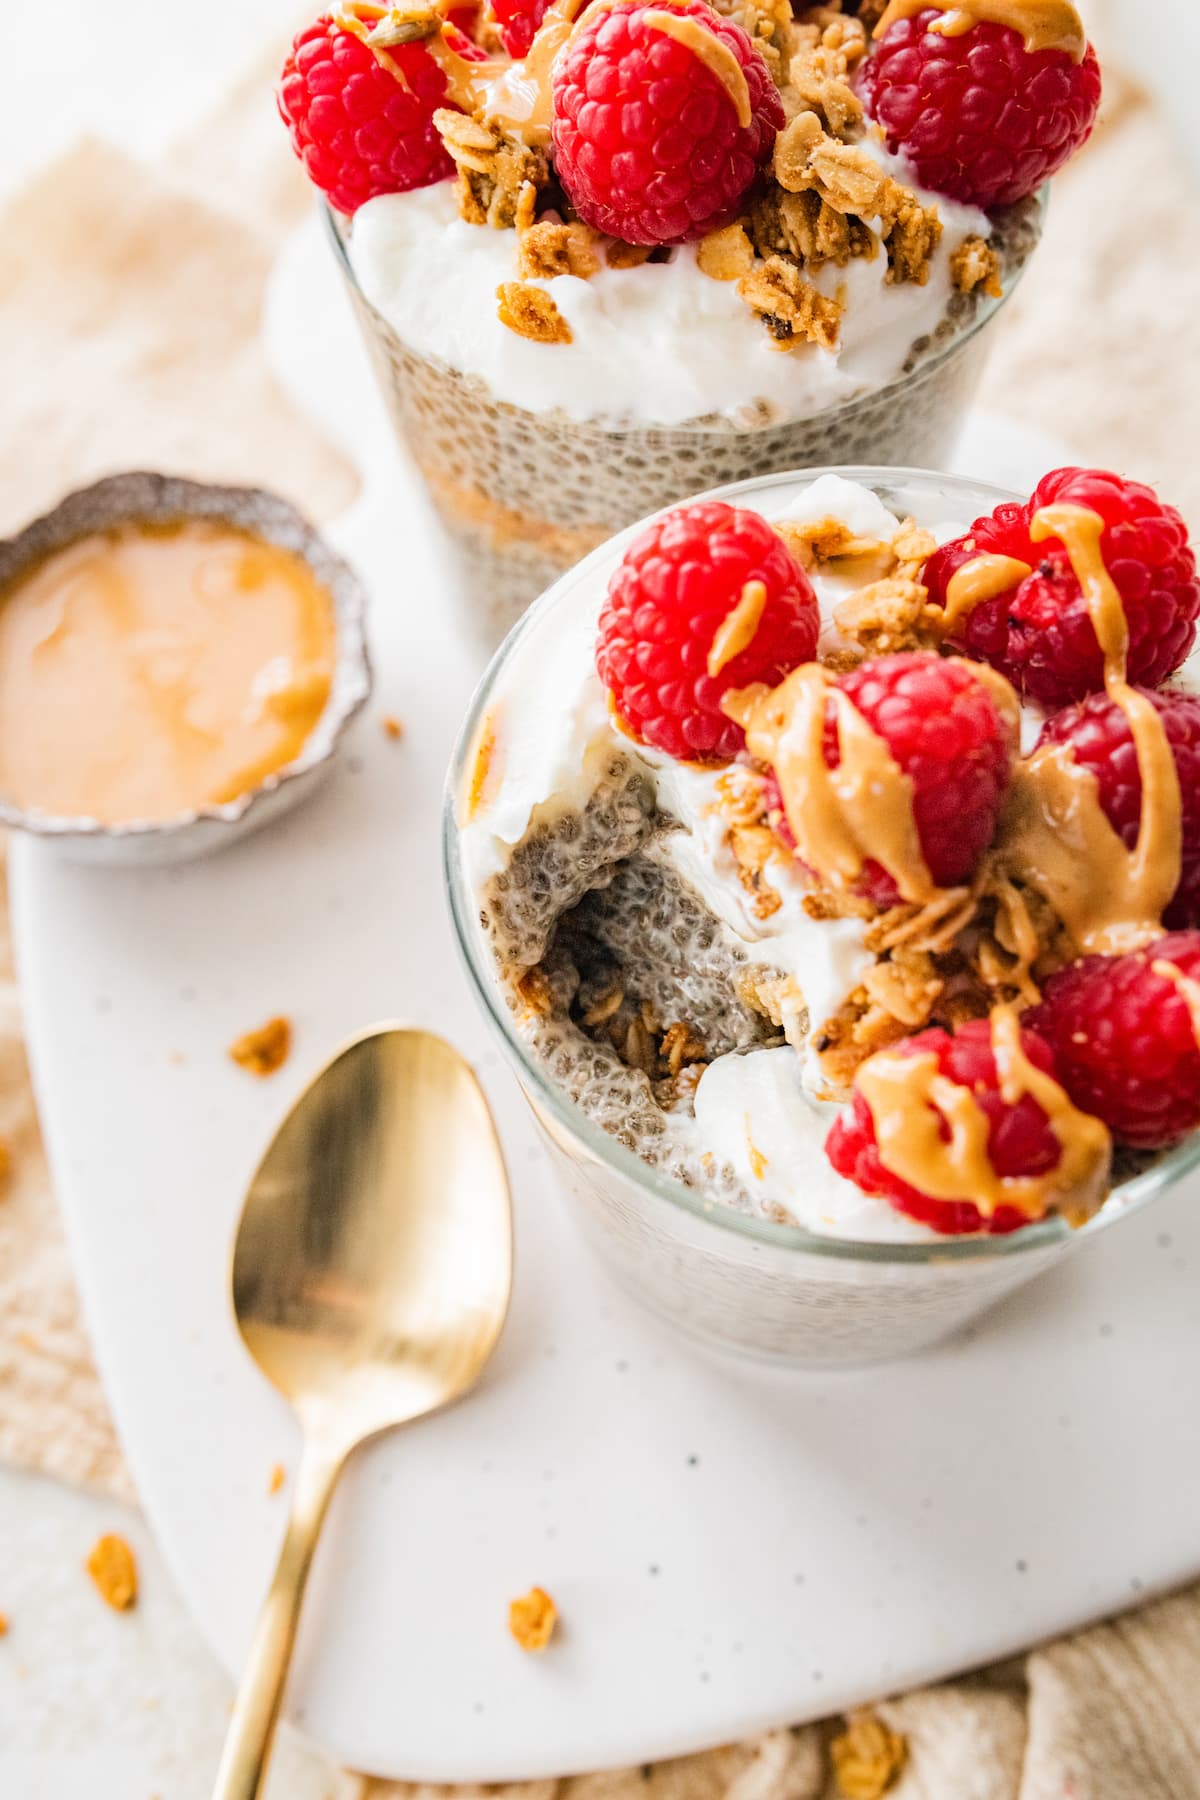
373, 1262
371, 1277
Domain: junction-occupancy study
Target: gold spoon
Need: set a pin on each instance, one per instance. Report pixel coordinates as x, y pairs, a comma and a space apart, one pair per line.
371, 1277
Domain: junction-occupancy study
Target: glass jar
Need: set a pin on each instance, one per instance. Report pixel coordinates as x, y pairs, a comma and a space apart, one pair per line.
732, 1279
525, 495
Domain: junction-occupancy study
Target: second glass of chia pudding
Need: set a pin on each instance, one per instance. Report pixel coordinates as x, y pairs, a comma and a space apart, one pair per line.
605, 255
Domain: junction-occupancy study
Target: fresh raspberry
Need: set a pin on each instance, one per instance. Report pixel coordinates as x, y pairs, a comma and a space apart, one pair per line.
1098, 732
979, 117
1039, 633
676, 585
946, 734
1020, 1141
358, 129
518, 21
646, 138
1124, 1040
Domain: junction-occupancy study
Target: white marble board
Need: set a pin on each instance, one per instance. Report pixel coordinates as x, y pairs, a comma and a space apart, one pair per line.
731, 1547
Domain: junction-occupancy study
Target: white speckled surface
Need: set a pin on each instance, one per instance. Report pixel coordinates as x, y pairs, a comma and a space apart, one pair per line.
114, 1707
875, 1529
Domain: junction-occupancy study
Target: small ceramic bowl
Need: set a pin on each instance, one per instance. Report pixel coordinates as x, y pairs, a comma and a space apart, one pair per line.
128, 498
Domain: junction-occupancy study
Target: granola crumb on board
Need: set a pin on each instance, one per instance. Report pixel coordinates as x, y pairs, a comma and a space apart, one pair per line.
265, 1049
532, 1620
113, 1568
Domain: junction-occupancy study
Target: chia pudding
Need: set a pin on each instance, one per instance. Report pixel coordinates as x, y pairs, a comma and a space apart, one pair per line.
794, 984
562, 350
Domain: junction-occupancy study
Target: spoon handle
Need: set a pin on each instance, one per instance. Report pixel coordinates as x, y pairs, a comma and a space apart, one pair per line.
252, 1728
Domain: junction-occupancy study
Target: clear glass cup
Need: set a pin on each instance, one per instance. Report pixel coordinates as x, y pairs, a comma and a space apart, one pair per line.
740, 1282
524, 495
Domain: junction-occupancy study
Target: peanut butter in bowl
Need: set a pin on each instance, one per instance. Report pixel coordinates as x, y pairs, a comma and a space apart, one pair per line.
175, 659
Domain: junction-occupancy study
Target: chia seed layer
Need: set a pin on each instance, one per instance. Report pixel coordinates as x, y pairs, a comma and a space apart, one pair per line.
525, 495
590, 906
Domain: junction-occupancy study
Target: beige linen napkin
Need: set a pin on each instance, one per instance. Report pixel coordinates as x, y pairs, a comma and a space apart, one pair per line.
128, 336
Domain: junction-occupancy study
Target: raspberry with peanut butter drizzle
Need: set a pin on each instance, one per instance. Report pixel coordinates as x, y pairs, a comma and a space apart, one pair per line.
890, 778
1098, 738
358, 94
972, 1132
1014, 598
986, 98
663, 115
1110, 894
706, 600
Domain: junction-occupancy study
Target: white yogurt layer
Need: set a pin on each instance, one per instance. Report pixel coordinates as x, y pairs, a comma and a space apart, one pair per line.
754, 1113
555, 736
656, 345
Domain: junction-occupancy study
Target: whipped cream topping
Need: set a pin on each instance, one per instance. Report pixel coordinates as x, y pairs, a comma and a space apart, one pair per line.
659, 344
758, 1111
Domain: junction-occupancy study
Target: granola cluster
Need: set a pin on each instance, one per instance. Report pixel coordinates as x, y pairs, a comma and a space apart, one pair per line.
499, 176
824, 200
532, 313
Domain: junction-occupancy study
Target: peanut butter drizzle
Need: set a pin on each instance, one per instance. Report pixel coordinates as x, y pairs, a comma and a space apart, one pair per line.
736, 632
1056, 836
1057, 839
1015, 926
484, 776
1042, 24
1187, 989
758, 1162
717, 57
467, 82
983, 579
521, 99
1003, 697
1080, 530
909, 1099
840, 818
